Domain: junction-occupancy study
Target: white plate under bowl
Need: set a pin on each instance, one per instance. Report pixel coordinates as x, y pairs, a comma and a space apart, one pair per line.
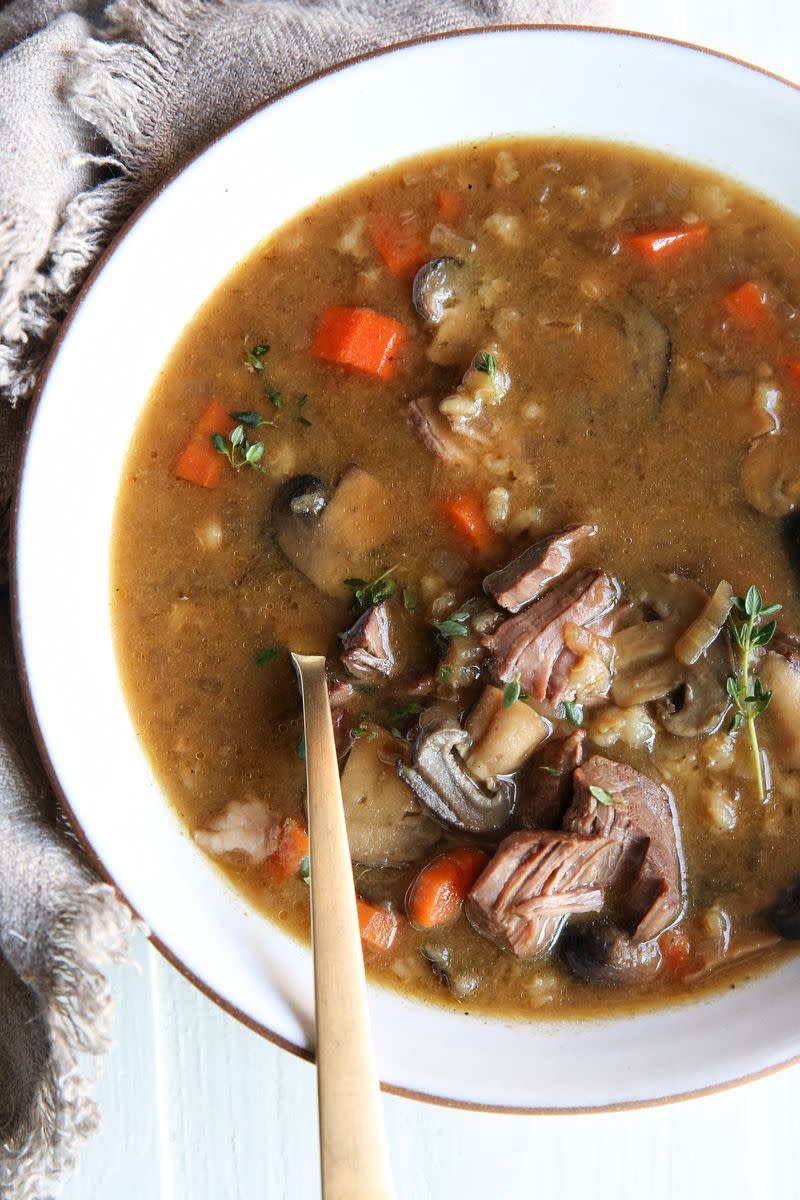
689, 103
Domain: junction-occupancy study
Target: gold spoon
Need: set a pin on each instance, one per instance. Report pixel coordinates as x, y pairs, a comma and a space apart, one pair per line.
353, 1155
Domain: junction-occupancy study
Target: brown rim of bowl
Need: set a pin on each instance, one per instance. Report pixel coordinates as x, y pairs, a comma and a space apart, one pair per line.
93, 859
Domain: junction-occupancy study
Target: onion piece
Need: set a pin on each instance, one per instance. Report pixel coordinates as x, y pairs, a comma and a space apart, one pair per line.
651, 682
705, 628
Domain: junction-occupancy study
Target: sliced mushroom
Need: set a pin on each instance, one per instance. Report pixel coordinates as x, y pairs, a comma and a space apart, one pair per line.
385, 824
771, 476
328, 536
785, 915
692, 698
442, 783
699, 704
438, 285
790, 535
599, 953
445, 296
672, 597
461, 980
651, 346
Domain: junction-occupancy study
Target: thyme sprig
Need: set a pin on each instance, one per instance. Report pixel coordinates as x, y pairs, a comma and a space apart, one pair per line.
370, 593
752, 630
238, 449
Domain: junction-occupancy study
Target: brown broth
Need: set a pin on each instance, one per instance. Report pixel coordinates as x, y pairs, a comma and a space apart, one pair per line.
573, 440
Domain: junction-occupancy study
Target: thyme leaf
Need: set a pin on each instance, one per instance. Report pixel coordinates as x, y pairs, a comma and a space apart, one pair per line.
573, 712
602, 795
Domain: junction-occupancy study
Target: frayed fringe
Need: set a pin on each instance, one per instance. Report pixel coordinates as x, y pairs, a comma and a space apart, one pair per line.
29, 315
79, 1015
115, 88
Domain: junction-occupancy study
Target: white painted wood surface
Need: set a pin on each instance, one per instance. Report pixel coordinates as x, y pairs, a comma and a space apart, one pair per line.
196, 1107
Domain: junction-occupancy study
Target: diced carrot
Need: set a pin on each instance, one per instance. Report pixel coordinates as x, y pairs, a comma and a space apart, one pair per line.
199, 462
378, 926
437, 894
665, 244
359, 338
401, 245
676, 952
466, 515
292, 848
749, 306
450, 205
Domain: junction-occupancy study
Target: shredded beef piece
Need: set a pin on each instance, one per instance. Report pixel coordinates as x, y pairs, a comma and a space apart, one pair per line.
546, 790
642, 819
366, 651
525, 578
534, 883
528, 644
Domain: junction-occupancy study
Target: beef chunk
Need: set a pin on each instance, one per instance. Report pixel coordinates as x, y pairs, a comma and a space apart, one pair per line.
529, 644
366, 650
642, 819
437, 434
546, 790
534, 883
525, 578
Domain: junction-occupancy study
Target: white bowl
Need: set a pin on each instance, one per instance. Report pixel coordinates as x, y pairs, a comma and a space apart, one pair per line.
689, 103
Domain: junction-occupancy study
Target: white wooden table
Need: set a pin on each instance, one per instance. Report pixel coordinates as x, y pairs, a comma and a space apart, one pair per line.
197, 1107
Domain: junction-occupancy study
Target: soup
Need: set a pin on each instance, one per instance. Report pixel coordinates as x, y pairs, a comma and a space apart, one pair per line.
511, 434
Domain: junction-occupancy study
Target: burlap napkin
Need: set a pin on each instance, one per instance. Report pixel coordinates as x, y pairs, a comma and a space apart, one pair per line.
97, 103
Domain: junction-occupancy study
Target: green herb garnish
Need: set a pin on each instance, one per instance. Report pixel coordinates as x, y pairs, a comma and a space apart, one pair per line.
252, 419
550, 771
750, 702
487, 363
573, 712
253, 358
602, 795
454, 626
305, 869
266, 655
238, 450
360, 730
300, 748
410, 600
511, 692
401, 714
445, 673
368, 595
301, 403
273, 395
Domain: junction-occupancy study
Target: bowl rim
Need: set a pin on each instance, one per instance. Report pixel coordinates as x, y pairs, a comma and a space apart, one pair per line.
82, 837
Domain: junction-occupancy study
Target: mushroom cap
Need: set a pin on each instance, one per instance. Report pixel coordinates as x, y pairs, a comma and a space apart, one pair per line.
698, 706
386, 826
329, 533
442, 783
785, 914
601, 953
436, 287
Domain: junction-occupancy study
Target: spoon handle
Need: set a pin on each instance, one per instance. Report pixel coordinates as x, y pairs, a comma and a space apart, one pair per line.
353, 1154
